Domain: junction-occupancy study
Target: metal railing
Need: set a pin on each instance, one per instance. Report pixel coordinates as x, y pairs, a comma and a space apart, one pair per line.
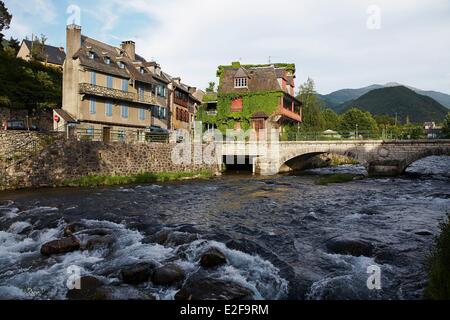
363, 135
126, 136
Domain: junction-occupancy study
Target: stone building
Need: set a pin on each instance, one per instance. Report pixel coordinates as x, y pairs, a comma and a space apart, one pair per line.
51, 56
256, 97
184, 102
109, 91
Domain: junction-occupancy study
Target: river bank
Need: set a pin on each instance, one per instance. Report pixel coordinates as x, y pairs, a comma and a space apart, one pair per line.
283, 237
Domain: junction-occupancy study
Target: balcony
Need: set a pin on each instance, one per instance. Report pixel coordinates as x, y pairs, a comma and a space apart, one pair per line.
212, 113
289, 114
181, 102
104, 92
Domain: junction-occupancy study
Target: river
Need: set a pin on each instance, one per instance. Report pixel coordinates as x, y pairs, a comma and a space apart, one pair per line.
274, 231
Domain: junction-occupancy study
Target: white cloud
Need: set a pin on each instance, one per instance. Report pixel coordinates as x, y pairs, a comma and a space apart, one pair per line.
43, 9
327, 39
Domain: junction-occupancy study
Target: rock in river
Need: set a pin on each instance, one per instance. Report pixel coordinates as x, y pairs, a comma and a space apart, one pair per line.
168, 275
60, 246
353, 247
138, 273
212, 258
92, 288
212, 289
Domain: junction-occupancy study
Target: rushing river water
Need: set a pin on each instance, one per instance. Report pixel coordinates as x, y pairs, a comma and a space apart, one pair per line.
275, 232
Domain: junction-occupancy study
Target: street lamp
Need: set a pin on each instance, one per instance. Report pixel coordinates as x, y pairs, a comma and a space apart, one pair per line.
356, 137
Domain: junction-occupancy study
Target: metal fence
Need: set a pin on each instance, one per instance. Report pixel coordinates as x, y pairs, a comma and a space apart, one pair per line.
338, 136
128, 136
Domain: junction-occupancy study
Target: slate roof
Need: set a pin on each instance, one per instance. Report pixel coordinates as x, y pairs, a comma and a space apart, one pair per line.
51, 54
260, 79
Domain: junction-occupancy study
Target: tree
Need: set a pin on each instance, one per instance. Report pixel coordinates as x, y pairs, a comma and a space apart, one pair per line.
312, 116
330, 119
446, 127
38, 48
356, 119
211, 87
5, 19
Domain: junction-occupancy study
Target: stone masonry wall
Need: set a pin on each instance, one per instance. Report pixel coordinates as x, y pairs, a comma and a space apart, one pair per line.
71, 159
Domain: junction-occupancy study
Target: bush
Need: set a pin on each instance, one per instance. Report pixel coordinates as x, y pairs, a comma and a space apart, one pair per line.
439, 268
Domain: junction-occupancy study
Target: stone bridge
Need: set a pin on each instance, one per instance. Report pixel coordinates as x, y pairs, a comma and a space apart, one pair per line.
381, 158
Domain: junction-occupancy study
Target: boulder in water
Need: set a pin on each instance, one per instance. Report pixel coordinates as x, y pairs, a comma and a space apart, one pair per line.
353, 247
212, 258
168, 275
88, 289
96, 242
213, 289
60, 246
121, 293
173, 238
138, 273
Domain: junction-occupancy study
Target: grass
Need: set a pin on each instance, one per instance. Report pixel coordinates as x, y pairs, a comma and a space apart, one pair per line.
147, 177
336, 178
439, 268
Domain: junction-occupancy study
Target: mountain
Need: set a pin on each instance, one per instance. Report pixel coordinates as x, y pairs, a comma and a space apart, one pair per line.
401, 101
340, 97
337, 98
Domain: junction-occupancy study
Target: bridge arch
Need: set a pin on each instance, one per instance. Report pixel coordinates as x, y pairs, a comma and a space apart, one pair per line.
422, 154
298, 162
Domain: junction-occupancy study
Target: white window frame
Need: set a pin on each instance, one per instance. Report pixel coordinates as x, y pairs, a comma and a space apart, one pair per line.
241, 82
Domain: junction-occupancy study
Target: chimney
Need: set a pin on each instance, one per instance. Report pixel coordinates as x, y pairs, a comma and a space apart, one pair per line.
130, 48
158, 69
192, 90
177, 80
73, 39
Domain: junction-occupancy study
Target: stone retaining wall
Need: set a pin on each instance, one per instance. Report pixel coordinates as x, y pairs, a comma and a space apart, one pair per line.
70, 159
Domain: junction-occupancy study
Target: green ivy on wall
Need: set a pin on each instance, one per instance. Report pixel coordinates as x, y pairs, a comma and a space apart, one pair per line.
266, 102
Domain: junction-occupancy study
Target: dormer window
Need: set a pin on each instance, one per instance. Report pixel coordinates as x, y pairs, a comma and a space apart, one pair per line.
121, 65
91, 55
107, 60
240, 82
142, 70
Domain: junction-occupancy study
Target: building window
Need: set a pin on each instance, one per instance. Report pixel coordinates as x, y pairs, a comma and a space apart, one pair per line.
142, 70
141, 114
141, 93
240, 82
124, 85
109, 109
124, 111
163, 113
93, 77
161, 91
90, 131
121, 65
121, 135
237, 105
91, 55
92, 106
107, 60
109, 82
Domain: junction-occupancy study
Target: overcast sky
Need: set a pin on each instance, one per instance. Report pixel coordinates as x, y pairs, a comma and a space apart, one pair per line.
340, 44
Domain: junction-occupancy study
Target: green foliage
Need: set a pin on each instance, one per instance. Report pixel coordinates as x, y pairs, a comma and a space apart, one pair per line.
401, 102
253, 102
355, 118
38, 48
331, 119
211, 87
28, 85
147, 177
439, 268
384, 120
312, 116
5, 20
446, 127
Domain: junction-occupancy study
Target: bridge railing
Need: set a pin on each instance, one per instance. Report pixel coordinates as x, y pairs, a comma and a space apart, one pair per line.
342, 136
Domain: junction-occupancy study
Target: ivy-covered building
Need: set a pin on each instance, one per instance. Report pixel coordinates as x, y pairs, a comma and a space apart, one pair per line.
252, 96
